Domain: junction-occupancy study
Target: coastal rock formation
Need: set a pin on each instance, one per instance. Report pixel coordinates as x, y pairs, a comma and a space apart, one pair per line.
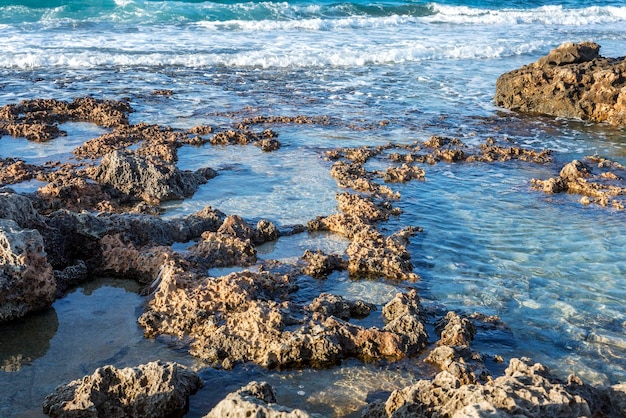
37, 120
526, 389
149, 179
572, 81
247, 316
155, 389
27, 282
605, 188
256, 399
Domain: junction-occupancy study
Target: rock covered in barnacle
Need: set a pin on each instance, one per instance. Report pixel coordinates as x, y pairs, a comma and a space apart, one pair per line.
27, 282
256, 399
155, 389
572, 81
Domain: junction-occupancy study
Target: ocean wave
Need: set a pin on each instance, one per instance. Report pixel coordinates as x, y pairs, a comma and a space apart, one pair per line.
318, 16
267, 58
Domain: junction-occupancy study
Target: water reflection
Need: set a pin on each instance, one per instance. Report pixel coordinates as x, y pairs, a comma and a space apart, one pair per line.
26, 340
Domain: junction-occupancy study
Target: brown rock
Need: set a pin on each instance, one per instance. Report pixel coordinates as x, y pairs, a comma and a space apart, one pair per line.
526, 389
572, 81
154, 389
255, 400
27, 282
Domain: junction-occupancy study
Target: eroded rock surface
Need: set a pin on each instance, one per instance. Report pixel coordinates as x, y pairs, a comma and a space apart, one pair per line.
155, 389
526, 389
27, 282
256, 399
150, 179
572, 81
247, 316
597, 180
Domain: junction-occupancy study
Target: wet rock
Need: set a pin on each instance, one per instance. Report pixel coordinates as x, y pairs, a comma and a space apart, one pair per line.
605, 188
247, 316
155, 389
146, 178
571, 81
328, 304
453, 353
256, 399
242, 137
265, 231
268, 145
13, 171
320, 265
70, 276
526, 389
27, 282
455, 330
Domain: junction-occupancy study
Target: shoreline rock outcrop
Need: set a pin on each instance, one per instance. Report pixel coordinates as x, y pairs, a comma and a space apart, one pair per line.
572, 81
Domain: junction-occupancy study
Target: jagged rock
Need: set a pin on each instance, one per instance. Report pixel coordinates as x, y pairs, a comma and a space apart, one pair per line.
255, 400
605, 188
150, 179
328, 304
572, 81
224, 250
404, 317
20, 209
373, 255
320, 265
526, 389
27, 282
70, 276
246, 316
455, 330
155, 389
265, 231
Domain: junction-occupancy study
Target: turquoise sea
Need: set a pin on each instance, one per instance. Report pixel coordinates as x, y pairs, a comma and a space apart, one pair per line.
381, 71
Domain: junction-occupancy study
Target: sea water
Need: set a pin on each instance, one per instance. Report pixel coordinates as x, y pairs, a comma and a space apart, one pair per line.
382, 72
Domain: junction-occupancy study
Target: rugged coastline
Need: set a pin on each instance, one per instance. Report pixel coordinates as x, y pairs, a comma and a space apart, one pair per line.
100, 216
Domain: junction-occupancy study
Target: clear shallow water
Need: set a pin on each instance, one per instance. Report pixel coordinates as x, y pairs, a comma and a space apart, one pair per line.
552, 269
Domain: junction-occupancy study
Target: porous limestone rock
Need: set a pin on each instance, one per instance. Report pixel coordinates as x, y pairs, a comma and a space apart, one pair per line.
572, 81
27, 282
155, 389
526, 389
256, 399
150, 179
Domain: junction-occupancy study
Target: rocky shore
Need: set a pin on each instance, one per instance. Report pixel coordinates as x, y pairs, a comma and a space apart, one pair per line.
100, 216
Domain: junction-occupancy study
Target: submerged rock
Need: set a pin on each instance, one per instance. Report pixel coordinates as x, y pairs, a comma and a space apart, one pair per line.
572, 81
27, 282
605, 189
155, 389
256, 399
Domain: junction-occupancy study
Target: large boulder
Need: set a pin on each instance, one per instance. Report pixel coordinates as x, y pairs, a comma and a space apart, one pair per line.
572, 81
26, 278
156, 389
